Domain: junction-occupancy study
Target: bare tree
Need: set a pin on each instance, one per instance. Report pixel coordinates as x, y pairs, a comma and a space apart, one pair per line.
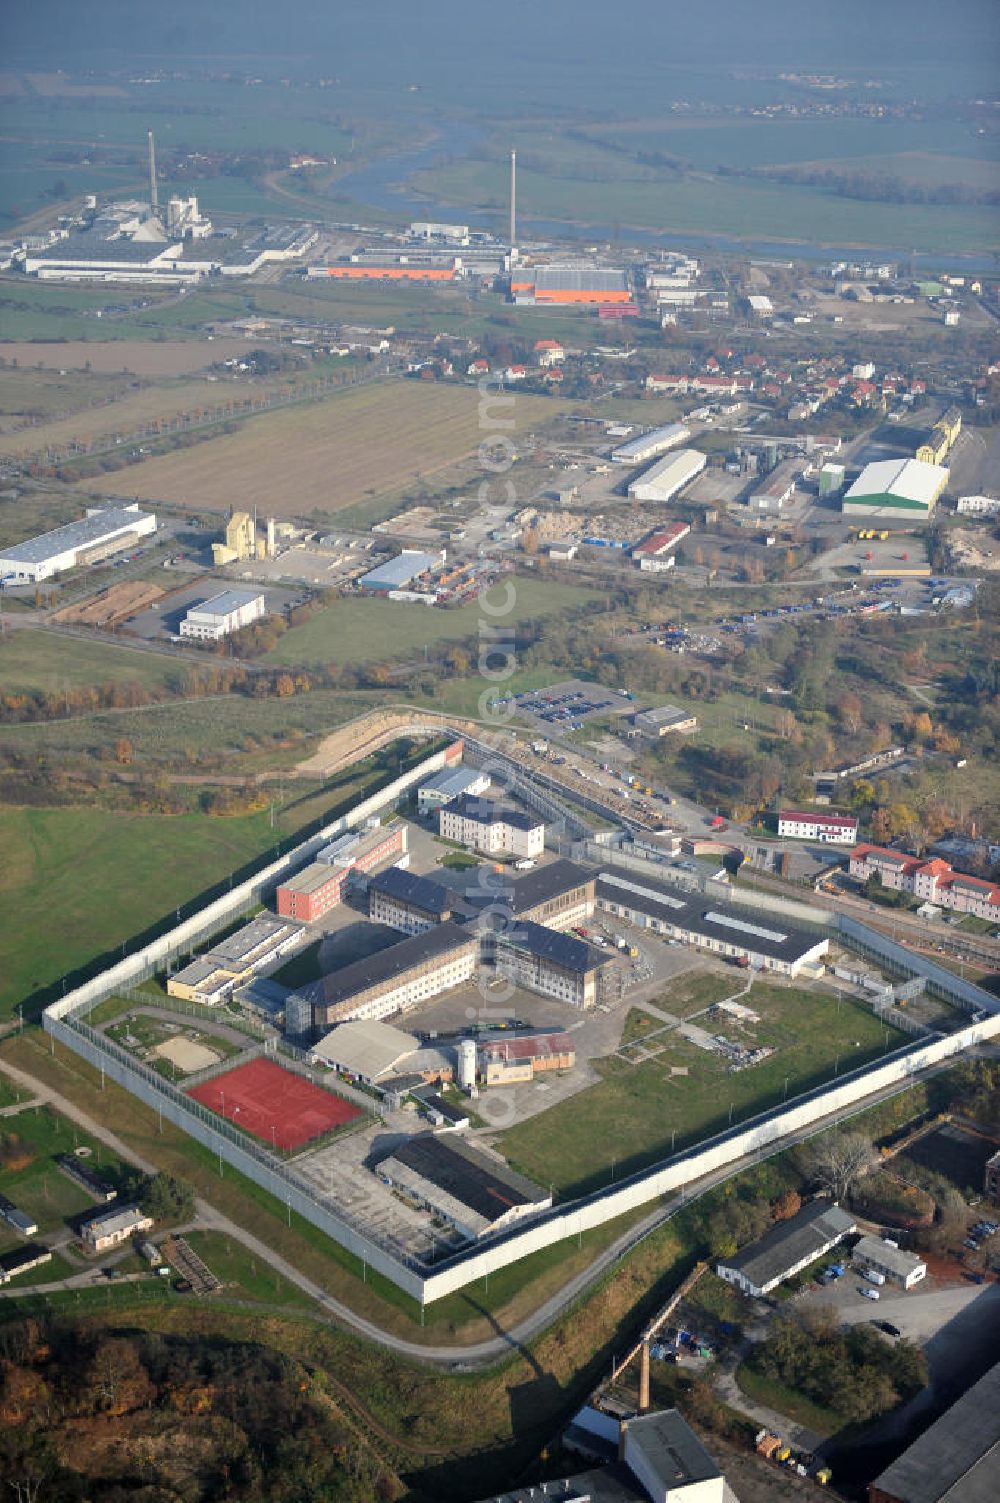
838, 1162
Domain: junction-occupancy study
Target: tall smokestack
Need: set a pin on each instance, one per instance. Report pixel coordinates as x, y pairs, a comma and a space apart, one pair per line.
152, 174
513, 199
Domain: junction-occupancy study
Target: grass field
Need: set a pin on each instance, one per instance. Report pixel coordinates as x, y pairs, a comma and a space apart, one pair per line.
243, 1276
111, 876
42, 660
107, 876
328, 455
625, 1122
733, 207
41, 1188
232, 732
364, 630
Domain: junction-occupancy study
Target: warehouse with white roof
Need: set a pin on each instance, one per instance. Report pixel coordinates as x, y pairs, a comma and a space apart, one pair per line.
668, 476
223, 614
103, 531
897, 488
649, 445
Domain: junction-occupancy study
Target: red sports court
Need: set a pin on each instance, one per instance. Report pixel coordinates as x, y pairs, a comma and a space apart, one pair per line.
274, 1104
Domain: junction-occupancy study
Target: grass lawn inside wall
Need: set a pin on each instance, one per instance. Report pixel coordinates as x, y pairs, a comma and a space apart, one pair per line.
624, 1123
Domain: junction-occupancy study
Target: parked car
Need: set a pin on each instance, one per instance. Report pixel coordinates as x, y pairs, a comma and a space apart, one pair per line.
868, 1293
887, 1326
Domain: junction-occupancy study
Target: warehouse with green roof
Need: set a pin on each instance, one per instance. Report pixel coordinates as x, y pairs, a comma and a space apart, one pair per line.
896, 488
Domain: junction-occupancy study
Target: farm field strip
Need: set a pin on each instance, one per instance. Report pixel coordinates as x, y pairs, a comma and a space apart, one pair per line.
329, 455
140, 357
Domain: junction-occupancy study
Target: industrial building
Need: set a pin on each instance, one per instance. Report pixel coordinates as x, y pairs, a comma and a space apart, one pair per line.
651, 1458
510, 1059
102, 254
664, 479
955, 1460
365, 1049
404, 901
895, 1264
394, 980
319, 887
491, 828
656, 551
897, 488
831, 479
102, 532
223, 614
649, 445
553, 964
778, 487
422, 229
787, 1248
449, 784
569, 285
707, 923
399, 572
663, 721
941, 438
474, 1193
214, 976
112, 1228
827, 829
388, 272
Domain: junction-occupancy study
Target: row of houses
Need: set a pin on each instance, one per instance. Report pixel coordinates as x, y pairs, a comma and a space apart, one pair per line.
934, 881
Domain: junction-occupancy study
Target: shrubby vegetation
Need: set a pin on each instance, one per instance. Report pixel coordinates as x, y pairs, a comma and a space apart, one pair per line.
857, 1372
162, 1419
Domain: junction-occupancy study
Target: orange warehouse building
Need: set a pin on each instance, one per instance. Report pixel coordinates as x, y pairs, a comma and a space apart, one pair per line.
392, 273
571, 285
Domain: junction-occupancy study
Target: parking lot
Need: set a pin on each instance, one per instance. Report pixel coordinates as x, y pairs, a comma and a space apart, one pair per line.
566, 706
162, 623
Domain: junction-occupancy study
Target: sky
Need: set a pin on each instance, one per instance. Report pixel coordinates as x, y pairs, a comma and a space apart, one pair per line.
400, 35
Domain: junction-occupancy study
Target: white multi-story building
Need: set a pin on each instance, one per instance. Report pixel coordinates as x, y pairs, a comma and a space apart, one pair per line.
395, 979
223, 614
554, 964
492, 829
827, 829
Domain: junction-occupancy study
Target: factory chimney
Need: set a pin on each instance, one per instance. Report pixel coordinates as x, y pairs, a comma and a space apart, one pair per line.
644, 1377
513, 200
152, 175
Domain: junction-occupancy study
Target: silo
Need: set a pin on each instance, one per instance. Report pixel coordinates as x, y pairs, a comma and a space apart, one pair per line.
467, 1064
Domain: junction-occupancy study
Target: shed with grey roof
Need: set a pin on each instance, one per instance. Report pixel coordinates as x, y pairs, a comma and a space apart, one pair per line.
787, 1248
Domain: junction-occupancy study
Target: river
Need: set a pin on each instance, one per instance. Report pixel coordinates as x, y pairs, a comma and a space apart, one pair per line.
384, 184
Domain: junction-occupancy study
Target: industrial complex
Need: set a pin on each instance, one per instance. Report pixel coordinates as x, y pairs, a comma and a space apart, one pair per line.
103, 532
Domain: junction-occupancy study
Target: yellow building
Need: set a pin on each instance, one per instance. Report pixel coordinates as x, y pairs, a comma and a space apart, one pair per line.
240, 540
941, 437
